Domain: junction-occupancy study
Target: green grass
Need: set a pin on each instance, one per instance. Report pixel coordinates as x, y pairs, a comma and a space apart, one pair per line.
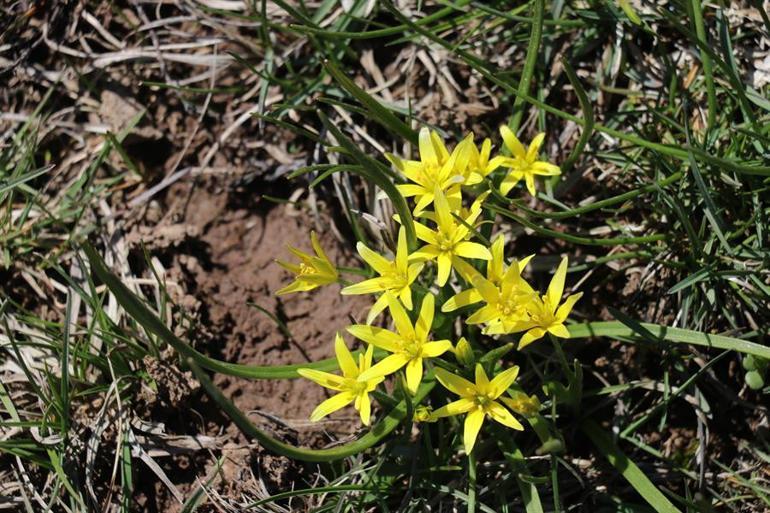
666, 177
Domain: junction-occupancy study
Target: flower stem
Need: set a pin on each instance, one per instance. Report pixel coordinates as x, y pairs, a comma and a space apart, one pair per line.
472, 481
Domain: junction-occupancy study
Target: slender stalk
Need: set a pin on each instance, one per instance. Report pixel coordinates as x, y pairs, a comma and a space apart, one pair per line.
708, 69
529, 64
472, 481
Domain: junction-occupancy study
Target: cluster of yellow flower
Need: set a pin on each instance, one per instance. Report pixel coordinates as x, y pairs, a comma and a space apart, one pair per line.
506, 302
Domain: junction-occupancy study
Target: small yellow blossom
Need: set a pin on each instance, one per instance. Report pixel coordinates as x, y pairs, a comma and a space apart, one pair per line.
524, 163
396, 276
475, 164
312, 271
546, 315
449, 241
496, 270
464, 352
436, 169
410, 345
351, 388
423, 414
478, 400
521, 403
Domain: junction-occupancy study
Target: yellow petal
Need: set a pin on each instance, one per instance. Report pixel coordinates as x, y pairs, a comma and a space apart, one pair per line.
408, 190
365, 408
402, 251
565, 309
400, 317
545, 168
444, 268
495, 266
534, 147
427, 151
406, 298
413, 374
509, 182
473, 422
437, 348
558, 330
325, 379
378, 337
344, 358
424, 233
296, 286
461, 299
484, 314
498, 412
439, 146
334, 403
482, 381
444, 217
387, 366
512, 142
317, 247
425, 319
467, 249
368, 355
454, 408
377, 308
375, 260
529, 178
556, 287
530, 336
426, 198
364, 287
455, 383
503, 381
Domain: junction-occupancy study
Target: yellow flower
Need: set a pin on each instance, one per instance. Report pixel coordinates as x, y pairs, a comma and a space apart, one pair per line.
436, 169
464, 352
351, 388
521, 403
448, 242
476, 163
496, 270
312, 271
523, 163
410, 346
396, 276
478, 400
505, 293
423, 414
545, 313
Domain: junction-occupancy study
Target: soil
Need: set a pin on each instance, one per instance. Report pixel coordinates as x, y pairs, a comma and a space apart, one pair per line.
220, 250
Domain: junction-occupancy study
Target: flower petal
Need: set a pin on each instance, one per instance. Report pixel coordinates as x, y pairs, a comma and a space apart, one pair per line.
454, 408
455, 383
482, 381
334, 403
473, 422
556, 287
344, 358
530, 336
424, 233
425, 319
325, 379
375, 260
402, 252
427, 151
503, 381
484, 314
461, 299
512, 142
369, 286
436, 348
387, 366
377, 308
400, 317
413, 374
365, 408
444, 217
563, 311
534, 147
499, 413
444, 268
467, 249
545, 168
558, 330
378, 337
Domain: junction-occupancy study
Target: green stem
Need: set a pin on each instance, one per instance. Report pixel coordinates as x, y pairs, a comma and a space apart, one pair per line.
708, 69
529, 64
472, 481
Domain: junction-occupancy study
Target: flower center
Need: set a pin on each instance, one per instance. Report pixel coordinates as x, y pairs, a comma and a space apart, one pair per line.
444, 243
411, 347
306, 269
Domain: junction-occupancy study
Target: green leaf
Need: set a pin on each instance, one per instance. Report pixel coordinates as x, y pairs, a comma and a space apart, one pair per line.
665, 333
627, 468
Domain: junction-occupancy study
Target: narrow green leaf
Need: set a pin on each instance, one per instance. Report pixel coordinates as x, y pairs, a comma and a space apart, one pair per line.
665, 333
627, 468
